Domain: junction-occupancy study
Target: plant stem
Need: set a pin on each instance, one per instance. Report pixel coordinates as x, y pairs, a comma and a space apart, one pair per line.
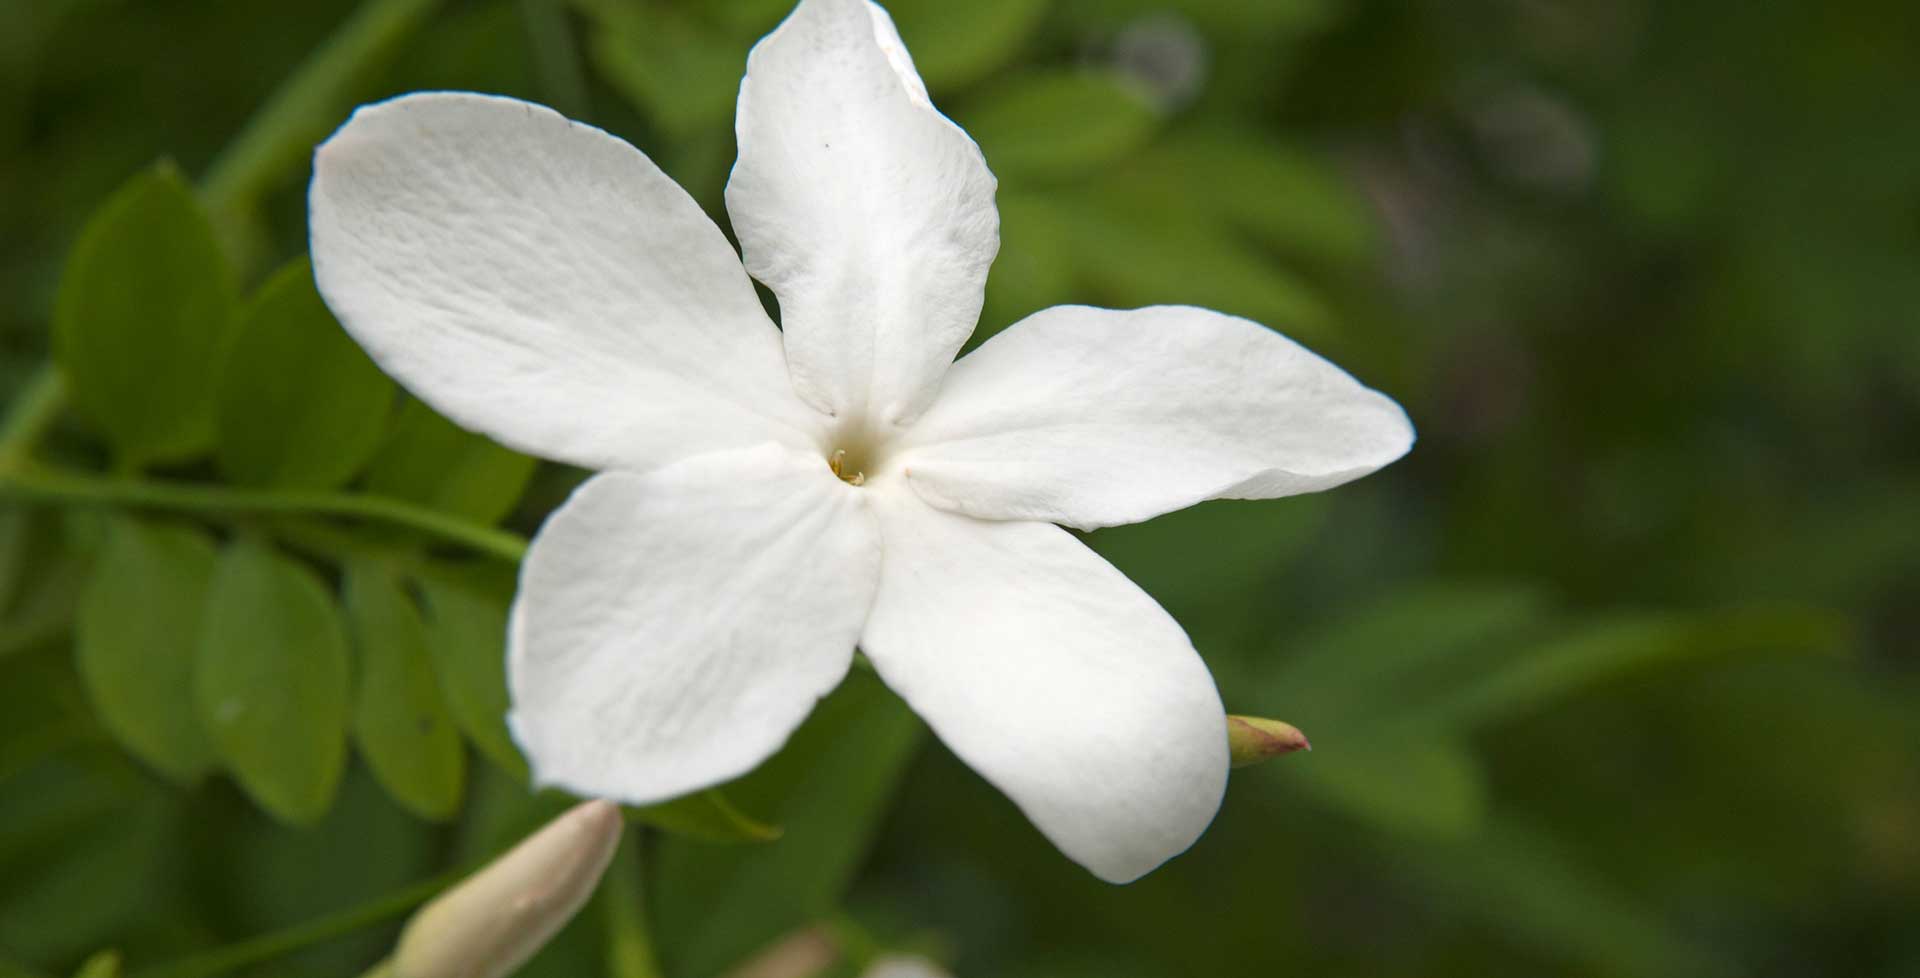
268, 946
281, 135
48, 484
29, 417
629, 939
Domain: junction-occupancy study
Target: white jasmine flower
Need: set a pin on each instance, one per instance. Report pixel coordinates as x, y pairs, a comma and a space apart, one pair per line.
769, 498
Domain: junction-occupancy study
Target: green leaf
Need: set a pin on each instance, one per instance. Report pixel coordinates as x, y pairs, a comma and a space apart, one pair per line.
431, 461
708, 816
955, 44
1061, 124
1034, 269
137, 637
272, 681
1285, 197
102, 964
1373, 666
682, 74
1126, 258
16, 539
467, 638
1430, 788
1529, 887
400, 719
298, 403
145, 308
1606, 651
829, 788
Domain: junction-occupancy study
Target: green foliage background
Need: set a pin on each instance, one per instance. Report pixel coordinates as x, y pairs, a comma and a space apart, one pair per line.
1615, 675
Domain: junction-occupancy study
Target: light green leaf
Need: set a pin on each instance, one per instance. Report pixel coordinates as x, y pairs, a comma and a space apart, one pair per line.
467, 638
272, 680
298, 403
708, 816
1060, 125
102, 964
431, 461
955, 44
145, 308
828, 788
137, 637
400, 719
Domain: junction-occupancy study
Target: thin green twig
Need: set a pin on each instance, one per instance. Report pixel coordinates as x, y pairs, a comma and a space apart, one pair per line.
48, 484
233, 957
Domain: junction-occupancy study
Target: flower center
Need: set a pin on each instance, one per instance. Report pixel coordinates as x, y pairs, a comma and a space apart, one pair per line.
847, 467
853, 455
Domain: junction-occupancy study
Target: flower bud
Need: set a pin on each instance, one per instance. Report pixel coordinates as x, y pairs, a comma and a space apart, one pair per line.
1251, 740
489, 924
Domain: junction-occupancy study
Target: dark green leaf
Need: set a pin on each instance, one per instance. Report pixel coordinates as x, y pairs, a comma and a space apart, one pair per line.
828, 789
1524, 883
1287, 198
1060, 125
1128, 260
137, 637
16, 538
400, 720
682, 74
431, 461
467, 637
1428, 788
298, 402
1602, 652
272, 680
146, 306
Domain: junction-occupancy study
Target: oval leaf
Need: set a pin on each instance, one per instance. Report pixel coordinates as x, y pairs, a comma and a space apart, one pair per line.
399, 719
431, 461
145, 307
1060, 125
298, 403
272, 681
467, 639
135, 639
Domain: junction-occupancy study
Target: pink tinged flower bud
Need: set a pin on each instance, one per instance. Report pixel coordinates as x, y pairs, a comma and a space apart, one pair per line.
488, 925
1251, 740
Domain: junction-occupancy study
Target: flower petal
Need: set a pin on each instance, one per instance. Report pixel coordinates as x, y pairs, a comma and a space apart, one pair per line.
1056, 678
674, 626
1096, 417
543, 282
865, 210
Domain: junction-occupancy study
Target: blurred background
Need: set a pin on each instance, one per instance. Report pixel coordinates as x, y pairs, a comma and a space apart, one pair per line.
1615, 675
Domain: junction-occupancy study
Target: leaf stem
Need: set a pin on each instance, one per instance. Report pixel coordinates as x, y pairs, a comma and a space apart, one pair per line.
49, 484
279, 137
233, 957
